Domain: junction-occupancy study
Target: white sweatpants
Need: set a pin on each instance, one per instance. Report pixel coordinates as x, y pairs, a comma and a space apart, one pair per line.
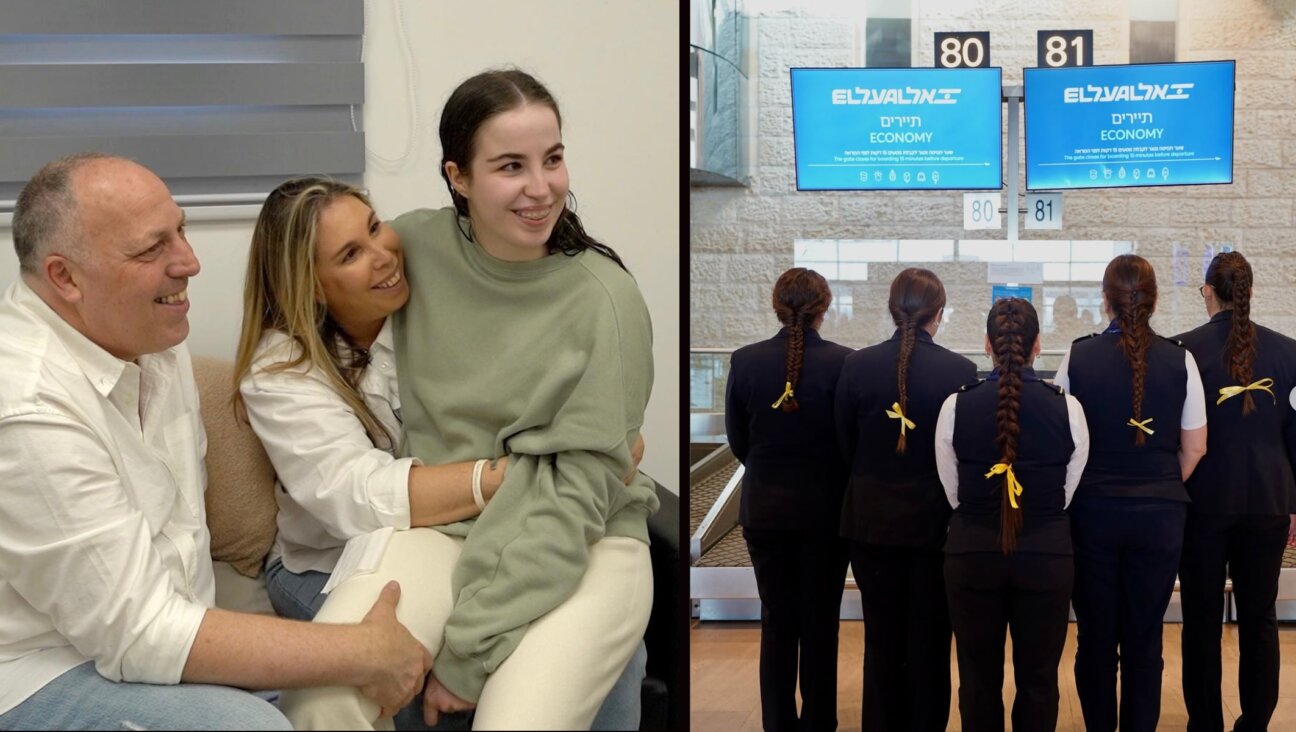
556, 678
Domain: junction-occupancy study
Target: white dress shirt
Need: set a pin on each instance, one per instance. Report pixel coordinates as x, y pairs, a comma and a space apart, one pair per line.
104, 550
947, 461
1193, 415
332, 483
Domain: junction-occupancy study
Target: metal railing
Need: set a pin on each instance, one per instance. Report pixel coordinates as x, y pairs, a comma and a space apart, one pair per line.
723, 514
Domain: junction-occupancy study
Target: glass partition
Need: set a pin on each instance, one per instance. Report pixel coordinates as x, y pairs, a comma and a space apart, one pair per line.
717, 93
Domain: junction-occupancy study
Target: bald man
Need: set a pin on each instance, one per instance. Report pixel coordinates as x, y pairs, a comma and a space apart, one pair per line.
105, 566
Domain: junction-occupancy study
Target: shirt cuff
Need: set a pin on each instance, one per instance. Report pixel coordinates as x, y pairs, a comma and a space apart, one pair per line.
160, 654
389, 493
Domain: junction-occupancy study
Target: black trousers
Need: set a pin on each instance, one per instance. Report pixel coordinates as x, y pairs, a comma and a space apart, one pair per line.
800, 577
1126, 556
1029, 595
1250, 549
906, 638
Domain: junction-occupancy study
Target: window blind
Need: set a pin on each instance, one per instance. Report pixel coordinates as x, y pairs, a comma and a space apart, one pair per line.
223, 100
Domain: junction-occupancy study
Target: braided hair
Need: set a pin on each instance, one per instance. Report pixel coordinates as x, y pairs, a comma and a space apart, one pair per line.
916, 296
1229, 274
1129, 283
800, 296
1011, 327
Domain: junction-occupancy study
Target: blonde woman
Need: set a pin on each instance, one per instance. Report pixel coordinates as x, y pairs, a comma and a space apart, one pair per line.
317, 380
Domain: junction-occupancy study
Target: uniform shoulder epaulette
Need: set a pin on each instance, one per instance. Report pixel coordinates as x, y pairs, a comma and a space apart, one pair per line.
1086, 337
973, 385
1055, 387
1175, 341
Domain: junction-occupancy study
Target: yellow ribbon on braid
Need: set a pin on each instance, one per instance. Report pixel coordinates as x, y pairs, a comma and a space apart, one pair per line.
895, 413
1141, 425
1261, 385
787, 392
1014, 488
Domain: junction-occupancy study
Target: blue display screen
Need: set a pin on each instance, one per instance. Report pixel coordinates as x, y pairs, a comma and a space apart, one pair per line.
1140, 125
999, 292
897, 129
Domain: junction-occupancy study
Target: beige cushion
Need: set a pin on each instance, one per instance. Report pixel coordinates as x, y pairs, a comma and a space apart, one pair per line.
240, 498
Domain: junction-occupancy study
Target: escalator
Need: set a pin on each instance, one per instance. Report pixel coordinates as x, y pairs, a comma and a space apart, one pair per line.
721, 583
715, 486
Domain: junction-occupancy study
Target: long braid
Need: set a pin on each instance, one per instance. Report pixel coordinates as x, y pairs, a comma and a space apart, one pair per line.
908, 334
1010, 352
915, 301
1136, 335
801, 296
1130, 289
795, 352
1241, 344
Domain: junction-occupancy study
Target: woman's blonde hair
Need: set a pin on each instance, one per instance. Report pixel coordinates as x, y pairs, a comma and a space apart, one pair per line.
282, 292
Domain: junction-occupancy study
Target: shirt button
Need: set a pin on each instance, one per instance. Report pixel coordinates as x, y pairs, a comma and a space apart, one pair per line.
384, 364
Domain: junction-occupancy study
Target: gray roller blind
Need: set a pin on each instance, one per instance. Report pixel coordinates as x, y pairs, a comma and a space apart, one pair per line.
223, 99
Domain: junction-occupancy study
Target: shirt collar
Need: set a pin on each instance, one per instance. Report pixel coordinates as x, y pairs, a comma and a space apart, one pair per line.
1027, 373
1222, 315
100, 367
1112, 327
810, 334
919, 333
384, 340
382, 343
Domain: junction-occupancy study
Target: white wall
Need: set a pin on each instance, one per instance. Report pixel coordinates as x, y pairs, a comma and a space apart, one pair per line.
612, 66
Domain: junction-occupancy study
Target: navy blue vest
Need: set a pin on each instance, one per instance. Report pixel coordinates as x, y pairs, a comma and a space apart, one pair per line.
1044, 448
1102, 381
1248, 465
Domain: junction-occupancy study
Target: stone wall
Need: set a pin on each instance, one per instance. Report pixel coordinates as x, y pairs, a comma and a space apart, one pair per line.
741, 239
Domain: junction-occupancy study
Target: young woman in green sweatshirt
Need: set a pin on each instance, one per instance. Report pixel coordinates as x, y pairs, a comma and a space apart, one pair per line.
526, 337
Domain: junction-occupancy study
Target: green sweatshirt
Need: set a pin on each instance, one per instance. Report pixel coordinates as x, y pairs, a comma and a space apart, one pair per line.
550, 363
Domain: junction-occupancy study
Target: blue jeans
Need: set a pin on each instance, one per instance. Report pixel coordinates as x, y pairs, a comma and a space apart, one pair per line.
82, 699
298, 596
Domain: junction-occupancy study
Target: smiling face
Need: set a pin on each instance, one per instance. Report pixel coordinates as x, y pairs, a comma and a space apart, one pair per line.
360, 266
126, 285
516, 183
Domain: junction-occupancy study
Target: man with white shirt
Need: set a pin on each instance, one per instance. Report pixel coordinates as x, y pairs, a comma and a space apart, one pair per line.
105, 566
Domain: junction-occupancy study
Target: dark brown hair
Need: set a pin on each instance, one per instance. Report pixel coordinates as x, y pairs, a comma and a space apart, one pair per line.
1131, 290
916, 296
474, 102
800, 296
1229, 274
1012, 327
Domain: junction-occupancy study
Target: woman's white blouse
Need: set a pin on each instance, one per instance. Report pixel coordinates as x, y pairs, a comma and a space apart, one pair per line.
333, 484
